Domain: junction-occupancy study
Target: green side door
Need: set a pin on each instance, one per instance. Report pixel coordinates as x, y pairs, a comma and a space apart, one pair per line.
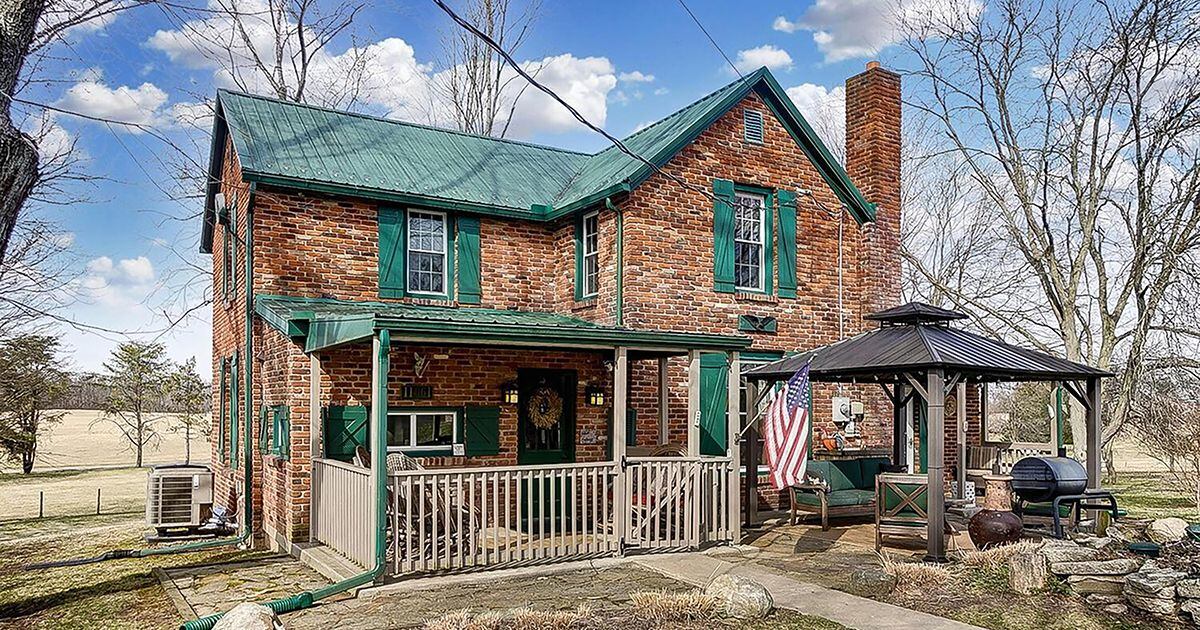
714, 403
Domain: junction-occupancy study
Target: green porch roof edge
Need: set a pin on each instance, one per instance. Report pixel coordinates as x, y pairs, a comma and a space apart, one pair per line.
323, 323
321, 150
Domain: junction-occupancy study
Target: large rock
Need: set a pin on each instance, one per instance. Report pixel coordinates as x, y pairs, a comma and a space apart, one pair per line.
1116, 609
1102, 584
1027, 573
1188, 589
871, 582
1067, 551
740, 597
249, 617
1152, 589
1191, 607
1120, 566
1125, 532
1167, 530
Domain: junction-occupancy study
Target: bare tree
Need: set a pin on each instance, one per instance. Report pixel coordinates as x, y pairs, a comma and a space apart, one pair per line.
189, 399
1075, 129
27, 27
1168, 423
475, 83
138, 375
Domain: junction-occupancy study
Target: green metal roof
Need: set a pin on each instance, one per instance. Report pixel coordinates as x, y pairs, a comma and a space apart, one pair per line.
303, 146
323, 323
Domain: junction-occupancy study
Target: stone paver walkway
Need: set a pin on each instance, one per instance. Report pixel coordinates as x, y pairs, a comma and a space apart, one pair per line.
849, 610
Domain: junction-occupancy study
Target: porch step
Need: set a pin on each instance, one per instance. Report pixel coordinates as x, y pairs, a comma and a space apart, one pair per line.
329, 563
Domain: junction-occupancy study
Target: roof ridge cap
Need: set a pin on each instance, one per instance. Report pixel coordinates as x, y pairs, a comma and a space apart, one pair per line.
933, 354
404, 123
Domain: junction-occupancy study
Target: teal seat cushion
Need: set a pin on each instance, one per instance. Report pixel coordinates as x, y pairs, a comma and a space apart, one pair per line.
871, 467
1046, 509
851, 470
839, 498
832, 473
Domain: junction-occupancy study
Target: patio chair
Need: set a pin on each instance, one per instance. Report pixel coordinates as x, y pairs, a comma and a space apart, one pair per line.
902, 507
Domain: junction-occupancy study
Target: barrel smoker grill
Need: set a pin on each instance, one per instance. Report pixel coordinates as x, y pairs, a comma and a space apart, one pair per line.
1059, 481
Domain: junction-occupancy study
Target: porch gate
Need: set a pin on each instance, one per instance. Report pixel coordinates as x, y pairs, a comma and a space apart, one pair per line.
677, 503
341, 509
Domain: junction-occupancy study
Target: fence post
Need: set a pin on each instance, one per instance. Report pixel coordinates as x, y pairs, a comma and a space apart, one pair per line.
41, 503
97, 501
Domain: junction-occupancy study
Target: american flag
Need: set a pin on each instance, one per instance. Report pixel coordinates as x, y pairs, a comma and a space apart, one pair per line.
785, 431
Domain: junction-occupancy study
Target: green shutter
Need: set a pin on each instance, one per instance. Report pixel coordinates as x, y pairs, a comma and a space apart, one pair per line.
723, 235
481, 431
714, 403
266, 441
222, 435
630, 426
345, 429
468, 260
235, 434
579, 257
768, 246
281, 420
391, 252
787, 244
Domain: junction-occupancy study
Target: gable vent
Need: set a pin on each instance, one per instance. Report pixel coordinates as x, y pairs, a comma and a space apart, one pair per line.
753, 121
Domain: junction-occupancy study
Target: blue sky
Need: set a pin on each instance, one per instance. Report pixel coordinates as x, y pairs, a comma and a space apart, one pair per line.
624, 64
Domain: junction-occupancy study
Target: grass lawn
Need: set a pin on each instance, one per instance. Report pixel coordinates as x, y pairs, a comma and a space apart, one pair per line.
115, 594
1152, 495
72, 493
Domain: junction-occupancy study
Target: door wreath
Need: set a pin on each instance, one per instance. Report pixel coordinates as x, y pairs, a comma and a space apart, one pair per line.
545, 407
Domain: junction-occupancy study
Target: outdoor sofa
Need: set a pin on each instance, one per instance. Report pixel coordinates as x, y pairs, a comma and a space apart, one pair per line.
838, 488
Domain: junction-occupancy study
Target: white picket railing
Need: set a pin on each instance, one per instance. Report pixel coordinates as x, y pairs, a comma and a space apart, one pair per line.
341, 509
1017, 451
460, 518
677, 503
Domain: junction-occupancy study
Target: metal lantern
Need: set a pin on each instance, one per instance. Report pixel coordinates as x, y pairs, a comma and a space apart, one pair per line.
510, 393
595, 396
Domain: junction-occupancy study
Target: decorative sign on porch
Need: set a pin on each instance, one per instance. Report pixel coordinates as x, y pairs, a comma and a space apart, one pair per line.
412, 391
589, 436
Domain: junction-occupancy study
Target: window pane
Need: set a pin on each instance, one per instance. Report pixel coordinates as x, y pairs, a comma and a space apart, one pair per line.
399, 430
426, 252
748, 239
435, 429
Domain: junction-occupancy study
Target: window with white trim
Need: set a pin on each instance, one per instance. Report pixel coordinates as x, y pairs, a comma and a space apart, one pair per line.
591, 254
422, 429
749, 230
426, 252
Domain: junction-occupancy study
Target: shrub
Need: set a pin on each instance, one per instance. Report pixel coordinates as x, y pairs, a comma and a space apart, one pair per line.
665, 606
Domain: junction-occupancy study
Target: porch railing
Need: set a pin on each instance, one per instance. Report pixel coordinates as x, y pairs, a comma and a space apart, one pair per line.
677, 503
460, 518
341, 509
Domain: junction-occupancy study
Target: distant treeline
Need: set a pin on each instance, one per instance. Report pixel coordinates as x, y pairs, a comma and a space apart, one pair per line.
88, 390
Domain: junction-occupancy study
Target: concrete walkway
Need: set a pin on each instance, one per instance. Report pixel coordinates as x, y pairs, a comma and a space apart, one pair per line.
849, 610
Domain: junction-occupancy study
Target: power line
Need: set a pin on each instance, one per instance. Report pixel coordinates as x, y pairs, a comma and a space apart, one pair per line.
491, 43
710, 38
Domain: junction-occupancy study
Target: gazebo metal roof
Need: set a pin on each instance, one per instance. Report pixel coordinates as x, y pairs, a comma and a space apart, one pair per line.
916, 337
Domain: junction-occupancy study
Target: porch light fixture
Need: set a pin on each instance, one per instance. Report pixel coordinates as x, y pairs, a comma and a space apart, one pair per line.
595, 396
509, 393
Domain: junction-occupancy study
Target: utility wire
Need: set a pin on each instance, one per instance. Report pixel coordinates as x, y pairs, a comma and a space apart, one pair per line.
491, 43
710, 38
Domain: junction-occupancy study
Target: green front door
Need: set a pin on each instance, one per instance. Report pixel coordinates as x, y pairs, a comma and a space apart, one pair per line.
545, 435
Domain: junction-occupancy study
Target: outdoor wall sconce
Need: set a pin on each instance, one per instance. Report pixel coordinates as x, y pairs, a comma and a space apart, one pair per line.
509, 393
595, 396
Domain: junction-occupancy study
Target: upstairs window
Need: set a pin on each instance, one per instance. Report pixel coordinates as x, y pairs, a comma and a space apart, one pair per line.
591, 254
426, 252
749, 238
752, 122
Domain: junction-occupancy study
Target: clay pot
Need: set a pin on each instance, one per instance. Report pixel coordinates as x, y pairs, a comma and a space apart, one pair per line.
994, 527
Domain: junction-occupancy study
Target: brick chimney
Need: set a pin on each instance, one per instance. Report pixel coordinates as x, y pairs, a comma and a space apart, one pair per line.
873, 163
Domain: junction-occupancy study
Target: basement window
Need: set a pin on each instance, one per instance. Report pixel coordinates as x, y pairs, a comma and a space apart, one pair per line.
753, 126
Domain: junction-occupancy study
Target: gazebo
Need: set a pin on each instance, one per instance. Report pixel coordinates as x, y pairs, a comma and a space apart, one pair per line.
916, 352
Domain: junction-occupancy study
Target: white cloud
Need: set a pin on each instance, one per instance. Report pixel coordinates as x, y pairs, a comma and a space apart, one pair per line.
124, 284
853, 29
766, 55
133, 105
661, 91
635, 77
582, 82
825, 110
785, 25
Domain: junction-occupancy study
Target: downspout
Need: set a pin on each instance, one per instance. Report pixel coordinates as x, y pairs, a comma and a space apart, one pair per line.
620, 259
306, 599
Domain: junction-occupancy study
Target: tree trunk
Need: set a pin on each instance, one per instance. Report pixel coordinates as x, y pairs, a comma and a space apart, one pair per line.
18, 154
27, 462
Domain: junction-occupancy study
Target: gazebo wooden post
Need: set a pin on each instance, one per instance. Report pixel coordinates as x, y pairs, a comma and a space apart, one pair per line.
899, 435
1094, 432
960, 417
935, 388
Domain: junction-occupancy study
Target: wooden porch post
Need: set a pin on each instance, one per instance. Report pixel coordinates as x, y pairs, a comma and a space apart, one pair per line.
935, 387
380, 362
1094, 432
961, 416
693, 415
753, 454
733, 427
620, 435
664, 428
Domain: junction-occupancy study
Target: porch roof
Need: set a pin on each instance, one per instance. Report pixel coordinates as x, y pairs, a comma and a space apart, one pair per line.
321, 323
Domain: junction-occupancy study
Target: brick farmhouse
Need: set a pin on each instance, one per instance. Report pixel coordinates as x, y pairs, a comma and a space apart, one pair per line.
493, 305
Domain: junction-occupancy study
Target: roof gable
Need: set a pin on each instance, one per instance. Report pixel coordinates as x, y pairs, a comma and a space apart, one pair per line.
302, 146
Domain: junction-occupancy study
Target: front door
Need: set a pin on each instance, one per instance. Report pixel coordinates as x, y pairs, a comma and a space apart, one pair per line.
545, 435
546, 422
